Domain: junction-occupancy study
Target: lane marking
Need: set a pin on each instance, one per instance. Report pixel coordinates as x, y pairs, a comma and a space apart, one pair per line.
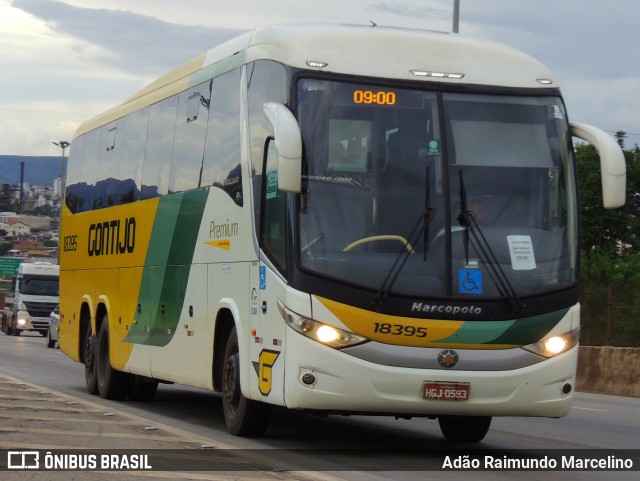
591, 409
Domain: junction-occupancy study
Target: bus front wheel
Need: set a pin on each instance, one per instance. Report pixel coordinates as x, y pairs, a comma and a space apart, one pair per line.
242, 416
464, 429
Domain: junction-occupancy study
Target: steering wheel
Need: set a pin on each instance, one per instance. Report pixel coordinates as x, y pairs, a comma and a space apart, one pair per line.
377, 238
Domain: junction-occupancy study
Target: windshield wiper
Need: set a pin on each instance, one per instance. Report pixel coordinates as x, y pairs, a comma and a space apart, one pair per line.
420, 228
467, 219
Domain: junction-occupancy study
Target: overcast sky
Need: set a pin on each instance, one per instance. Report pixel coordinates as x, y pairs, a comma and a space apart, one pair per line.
62, 62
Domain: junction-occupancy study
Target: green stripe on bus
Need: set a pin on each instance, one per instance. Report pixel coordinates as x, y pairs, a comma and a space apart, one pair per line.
517, 332
167, 267
530, 330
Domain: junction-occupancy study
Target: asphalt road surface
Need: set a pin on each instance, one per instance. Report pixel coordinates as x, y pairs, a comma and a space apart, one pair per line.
369, 448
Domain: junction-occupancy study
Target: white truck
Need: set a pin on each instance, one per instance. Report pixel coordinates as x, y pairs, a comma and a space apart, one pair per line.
36, 295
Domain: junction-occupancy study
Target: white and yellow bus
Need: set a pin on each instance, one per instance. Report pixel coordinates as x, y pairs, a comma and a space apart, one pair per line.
335, 219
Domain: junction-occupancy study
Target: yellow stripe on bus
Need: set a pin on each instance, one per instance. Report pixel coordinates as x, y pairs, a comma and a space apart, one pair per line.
404, 331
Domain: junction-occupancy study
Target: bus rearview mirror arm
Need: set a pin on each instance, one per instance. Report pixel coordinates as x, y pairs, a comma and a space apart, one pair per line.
288, 141
613, 168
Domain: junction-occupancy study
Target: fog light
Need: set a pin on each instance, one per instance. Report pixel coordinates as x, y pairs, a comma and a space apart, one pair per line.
308, 378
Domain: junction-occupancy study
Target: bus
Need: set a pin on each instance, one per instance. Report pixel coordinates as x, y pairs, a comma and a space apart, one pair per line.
336, 220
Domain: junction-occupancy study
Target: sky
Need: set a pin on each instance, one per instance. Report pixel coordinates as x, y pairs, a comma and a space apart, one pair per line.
63, 62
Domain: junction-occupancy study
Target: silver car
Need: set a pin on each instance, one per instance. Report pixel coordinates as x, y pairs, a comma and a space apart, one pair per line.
54, 328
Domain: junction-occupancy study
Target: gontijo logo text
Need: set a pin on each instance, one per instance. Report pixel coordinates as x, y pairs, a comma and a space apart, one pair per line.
112, 237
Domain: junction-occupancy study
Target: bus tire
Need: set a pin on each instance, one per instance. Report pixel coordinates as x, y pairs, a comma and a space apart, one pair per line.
90, 344
464, 429
243, 417
112, 384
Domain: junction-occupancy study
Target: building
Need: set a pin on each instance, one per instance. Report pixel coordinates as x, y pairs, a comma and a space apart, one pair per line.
16, 228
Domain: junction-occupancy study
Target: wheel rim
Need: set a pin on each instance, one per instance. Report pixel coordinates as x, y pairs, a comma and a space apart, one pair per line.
231, 383
88, 353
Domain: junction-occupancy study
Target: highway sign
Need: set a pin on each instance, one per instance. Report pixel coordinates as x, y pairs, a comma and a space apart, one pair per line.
9, 266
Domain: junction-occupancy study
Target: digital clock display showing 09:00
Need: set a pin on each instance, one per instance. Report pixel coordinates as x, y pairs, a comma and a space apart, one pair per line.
369, 97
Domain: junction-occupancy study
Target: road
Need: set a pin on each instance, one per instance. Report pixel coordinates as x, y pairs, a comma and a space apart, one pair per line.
595, 422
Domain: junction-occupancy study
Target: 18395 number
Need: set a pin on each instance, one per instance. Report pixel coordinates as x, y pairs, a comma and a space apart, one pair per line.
399, 330
70, 243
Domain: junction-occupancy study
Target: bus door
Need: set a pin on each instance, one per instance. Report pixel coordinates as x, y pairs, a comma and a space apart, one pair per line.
267, 330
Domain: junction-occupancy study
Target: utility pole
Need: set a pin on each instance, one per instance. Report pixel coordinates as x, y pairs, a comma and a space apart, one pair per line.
456, 16
63, 144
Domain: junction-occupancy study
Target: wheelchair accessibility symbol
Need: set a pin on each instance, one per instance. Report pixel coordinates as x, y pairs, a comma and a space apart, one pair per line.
470, 281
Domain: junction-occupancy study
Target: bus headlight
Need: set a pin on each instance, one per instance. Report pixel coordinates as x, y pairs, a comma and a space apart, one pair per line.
554, 345
318, 331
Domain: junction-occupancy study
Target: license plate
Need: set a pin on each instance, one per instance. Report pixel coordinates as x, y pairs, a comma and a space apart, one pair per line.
448, 391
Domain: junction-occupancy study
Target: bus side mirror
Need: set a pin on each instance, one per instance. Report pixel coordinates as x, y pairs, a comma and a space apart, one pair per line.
288, 141
613, 168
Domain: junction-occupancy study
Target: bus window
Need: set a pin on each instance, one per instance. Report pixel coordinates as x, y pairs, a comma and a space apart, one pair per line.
157, 157
73, 194
266, 83
134, 139
221, 167
106, 176
273, 236
89, 167
191, 126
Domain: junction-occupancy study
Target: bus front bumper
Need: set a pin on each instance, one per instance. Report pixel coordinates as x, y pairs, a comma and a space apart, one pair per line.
318, 377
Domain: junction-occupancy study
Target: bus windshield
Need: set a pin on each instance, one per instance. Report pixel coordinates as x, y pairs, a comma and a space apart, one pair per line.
456, 194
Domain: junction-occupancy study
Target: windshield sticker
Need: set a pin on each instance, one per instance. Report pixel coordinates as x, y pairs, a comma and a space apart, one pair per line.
359, 181
470, 281
433, 147
521, 251
557, 113
272, 185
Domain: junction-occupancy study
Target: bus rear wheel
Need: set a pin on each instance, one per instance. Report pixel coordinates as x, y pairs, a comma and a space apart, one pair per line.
464, 429
112, 384
89, 346
242, 416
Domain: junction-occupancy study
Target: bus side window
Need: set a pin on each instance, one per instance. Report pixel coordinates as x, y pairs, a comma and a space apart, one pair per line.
266, 82
157, 157
191, 129
74, 195
134, 139
221, 165
274, 228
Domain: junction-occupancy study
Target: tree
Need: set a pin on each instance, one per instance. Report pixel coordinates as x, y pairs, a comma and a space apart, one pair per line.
602, 229
4, 248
